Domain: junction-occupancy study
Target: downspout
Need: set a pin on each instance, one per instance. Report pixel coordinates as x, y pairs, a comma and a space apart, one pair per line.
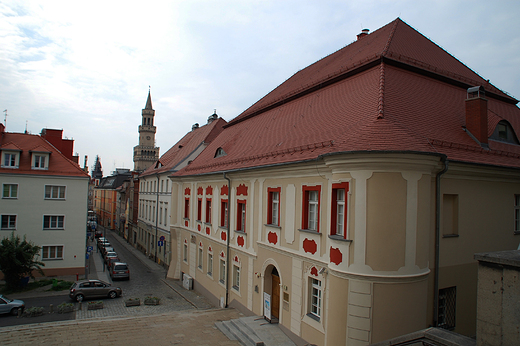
437, 240
156, 218
227, 238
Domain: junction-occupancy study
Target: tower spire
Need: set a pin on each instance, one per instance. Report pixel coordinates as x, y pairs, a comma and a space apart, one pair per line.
149, 101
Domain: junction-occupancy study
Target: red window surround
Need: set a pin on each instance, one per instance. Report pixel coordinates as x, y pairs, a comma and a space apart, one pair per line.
241, 215
334, 209
311, 207
186, 207
199, 209
223, 212
273, 206
208, 210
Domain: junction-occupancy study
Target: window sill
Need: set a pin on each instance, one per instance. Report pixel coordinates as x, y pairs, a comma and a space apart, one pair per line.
272, 226
236, 288
240, 231
314, 317
207, 223
7, 229
9, 197
52, 259
516, 233
339, 238
223, 227
310, 231
450, 235
55, 229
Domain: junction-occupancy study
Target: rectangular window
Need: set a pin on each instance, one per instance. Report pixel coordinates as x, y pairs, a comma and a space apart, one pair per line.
210, 264
450, 215
316, 297
311, 208
186, 208
241, 215
160, 215
9, 160
273, 209
39, 161
9, 222
166, 216
10, 191
236, 277
222, 277
52, 252
199, 209
447, 304
200, 258
208, 210
517, 214
223, 213
339, 210
53, 221
54, 192
185, 253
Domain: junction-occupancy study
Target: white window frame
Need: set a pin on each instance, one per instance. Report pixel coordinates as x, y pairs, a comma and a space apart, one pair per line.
55, 249
222, 271
10, 159
56, 219
340, 213
55, 190
200, 257
315, 298
185, 253
9, 218
313, 210
236, 277
40, 161
10, 191
210, 264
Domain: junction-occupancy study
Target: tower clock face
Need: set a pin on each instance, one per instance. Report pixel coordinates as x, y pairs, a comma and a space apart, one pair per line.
148, 137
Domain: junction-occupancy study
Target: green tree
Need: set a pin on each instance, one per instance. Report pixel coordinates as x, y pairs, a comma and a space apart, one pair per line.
17, 260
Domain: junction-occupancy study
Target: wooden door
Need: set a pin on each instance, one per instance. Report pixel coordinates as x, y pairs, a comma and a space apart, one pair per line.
275, 299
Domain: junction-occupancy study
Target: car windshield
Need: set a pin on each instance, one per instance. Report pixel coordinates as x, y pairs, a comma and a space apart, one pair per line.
7, 299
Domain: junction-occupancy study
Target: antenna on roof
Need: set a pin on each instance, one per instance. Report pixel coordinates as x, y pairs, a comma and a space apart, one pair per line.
5, 118
26, 126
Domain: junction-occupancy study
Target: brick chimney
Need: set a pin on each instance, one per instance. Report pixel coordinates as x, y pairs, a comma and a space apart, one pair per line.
476, 114
363, 33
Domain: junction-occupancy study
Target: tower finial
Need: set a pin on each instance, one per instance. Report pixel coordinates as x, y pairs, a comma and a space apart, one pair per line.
5, 118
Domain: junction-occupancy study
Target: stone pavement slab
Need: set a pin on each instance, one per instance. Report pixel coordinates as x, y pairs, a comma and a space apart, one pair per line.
178, 328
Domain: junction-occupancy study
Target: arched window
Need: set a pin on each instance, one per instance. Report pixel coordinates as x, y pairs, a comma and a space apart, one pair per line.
504, 133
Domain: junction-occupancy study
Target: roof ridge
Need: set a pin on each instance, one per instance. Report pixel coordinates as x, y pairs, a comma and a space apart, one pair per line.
381, 100
390, 37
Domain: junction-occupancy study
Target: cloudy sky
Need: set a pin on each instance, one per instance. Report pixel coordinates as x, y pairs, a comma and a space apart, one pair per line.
85, 67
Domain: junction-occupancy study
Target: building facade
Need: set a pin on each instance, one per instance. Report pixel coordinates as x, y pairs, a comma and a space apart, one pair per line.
153, 232
146, 153
44, 197
347, 204
108, 204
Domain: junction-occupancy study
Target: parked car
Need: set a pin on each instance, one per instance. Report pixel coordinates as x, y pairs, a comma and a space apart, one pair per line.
86, 289
106, 250
109, 255
120, 270
103, 244
112, 260
10, 306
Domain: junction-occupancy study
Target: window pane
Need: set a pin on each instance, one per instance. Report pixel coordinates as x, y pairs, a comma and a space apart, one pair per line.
62, 191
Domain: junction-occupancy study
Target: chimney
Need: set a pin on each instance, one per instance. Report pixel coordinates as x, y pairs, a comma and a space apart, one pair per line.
363, 33
195, 126
476, 114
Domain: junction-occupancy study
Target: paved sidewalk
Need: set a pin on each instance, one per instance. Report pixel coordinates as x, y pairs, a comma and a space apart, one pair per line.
179, 328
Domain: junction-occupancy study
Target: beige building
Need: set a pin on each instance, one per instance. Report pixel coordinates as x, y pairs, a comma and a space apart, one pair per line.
347, 204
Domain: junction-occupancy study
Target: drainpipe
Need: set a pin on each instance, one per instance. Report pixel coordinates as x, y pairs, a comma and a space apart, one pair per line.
227, 238
156, 217
437, 240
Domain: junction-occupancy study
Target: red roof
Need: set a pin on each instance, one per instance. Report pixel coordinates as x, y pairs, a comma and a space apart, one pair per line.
183, 148
59, 165
392, 90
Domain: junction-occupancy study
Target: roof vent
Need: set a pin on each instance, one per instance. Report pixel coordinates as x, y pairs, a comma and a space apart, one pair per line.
212, 117
363, 33
195, 126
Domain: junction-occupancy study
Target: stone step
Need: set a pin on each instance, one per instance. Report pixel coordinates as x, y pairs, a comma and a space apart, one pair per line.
238, 330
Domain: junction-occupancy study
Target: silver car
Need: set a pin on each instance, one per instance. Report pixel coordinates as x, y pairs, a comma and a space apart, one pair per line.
120, 270
10, 306
82, 290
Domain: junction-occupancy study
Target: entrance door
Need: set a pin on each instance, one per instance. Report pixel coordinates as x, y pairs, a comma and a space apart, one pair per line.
275, 299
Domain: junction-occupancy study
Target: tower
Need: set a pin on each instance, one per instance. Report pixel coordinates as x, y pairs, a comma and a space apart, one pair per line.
146, 153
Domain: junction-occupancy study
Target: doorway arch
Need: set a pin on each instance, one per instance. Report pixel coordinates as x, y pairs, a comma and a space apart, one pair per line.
272, 286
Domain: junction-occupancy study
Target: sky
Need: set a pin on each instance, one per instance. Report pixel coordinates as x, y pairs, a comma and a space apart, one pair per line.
86, 67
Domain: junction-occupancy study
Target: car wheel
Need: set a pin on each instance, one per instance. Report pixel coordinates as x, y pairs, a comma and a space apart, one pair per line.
112, 294
14, 311
80, 297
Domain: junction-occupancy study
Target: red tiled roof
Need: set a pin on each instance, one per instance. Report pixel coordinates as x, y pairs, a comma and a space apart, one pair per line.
59, 165
392, 90
183, 148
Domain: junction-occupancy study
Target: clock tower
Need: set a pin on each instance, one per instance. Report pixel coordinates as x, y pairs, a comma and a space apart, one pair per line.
146, 153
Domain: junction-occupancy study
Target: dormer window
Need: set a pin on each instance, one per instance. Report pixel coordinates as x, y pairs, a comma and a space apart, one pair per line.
220, 152
10, 159
39, 160
504, 133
